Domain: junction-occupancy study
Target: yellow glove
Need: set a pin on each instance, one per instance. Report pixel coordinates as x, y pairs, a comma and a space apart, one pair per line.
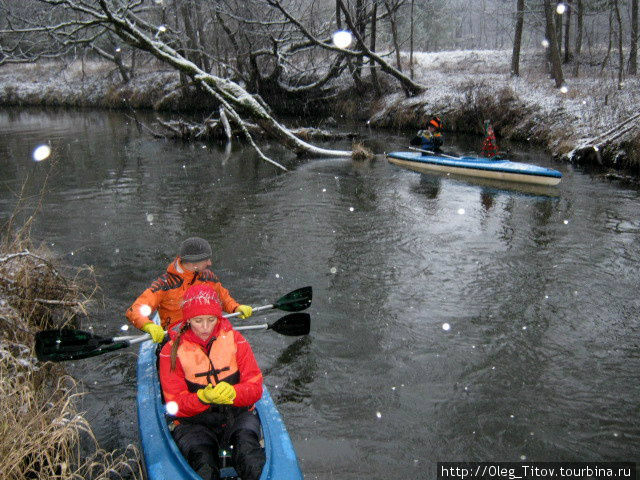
156, 331
222, 394
245, 311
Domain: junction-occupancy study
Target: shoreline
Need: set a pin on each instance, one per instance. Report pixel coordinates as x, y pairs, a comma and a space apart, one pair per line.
463, 88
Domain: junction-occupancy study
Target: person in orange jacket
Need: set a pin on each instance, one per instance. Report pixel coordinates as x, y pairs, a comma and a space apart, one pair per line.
191, 267
210, 381
430, 138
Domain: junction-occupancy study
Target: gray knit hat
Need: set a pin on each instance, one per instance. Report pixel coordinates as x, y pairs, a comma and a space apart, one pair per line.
195, 249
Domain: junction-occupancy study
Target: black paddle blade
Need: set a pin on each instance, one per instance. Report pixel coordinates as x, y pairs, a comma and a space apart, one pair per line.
295, 301
68, 344
293, 325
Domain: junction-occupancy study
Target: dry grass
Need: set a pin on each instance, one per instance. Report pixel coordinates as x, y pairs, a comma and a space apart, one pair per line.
42, 435
41, 432
360, 152
32, 285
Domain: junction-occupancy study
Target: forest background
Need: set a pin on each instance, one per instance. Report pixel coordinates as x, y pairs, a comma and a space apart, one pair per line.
251, 61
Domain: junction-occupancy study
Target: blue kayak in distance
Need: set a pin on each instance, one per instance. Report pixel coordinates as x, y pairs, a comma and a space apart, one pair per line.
496, 169
162, 458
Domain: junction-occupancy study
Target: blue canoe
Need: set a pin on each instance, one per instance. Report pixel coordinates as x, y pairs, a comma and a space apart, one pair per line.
476, 167
163, 460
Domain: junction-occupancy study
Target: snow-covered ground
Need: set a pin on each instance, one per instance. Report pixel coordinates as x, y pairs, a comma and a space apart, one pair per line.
591, 103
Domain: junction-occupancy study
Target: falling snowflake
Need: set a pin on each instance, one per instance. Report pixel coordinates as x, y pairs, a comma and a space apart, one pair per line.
41, 153
171, 408
342, 38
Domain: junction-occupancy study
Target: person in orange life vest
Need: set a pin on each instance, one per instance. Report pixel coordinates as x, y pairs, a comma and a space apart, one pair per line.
431, 138
191, 267
209, 372
489, 145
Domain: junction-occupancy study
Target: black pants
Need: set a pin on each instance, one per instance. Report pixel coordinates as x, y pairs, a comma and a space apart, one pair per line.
200, 442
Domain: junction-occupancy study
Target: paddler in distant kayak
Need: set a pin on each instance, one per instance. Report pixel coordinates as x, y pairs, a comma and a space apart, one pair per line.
191, 267
430, 139
489, 144
210, 380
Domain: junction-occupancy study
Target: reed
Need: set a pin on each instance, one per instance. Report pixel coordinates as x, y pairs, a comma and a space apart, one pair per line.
42, 434
360, 152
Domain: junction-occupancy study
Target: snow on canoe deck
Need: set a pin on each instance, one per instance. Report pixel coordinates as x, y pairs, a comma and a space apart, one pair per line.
477, 167
163, 460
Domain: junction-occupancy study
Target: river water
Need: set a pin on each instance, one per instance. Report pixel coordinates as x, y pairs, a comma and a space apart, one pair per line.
451, 320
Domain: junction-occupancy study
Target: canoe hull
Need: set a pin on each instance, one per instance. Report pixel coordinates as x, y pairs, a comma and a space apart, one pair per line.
504, 170
162, 458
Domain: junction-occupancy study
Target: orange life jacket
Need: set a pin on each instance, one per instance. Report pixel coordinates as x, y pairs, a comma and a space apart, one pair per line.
201, 369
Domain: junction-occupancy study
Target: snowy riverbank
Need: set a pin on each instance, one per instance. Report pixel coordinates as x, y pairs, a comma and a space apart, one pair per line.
466, 87
463, 88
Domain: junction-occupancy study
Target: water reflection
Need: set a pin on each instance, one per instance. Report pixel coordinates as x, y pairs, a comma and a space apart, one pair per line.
297, 370
487, 198
429, 186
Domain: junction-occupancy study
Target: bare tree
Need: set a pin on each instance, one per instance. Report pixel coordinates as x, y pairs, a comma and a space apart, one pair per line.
411, 39
392, 9
633, 48
554, 53
372, 47
579, 30
409, 86
517, 38
605, 60
616, 9
567, 32
125, 19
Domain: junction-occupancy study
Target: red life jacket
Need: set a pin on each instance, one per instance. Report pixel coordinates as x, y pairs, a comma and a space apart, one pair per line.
489, 146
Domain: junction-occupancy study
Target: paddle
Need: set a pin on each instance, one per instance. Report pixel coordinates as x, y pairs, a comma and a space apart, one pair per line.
294, 301
69, 344
430, 152
292, 325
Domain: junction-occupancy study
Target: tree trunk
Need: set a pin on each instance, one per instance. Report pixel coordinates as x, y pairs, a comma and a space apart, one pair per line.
616, 8
372, 46
411, 43
393, 23
191, 42
517, 38
567, 32
201, 38
605, 60
360, 25
633, 49
556, 65
579, 30
117, 58
558, 25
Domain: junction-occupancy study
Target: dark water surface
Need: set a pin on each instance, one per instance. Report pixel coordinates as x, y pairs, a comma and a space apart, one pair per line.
540, 290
